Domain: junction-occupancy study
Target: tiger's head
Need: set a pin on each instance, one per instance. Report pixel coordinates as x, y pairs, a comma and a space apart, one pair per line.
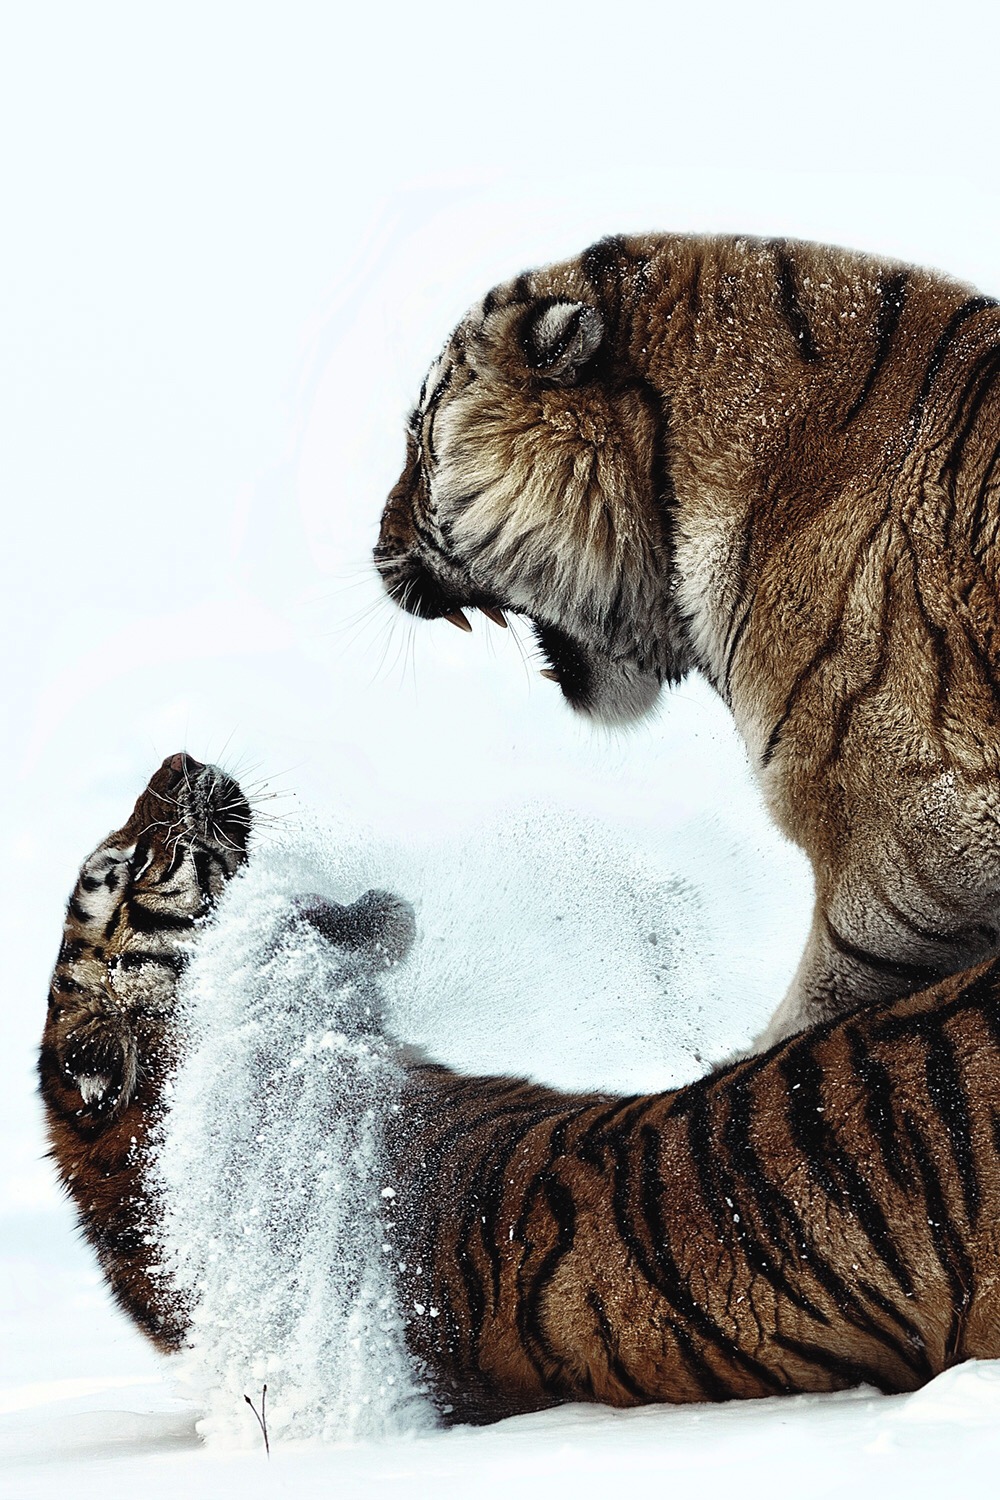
129, 925
535, 481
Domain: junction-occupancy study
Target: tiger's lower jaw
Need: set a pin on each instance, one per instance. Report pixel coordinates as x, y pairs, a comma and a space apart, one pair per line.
614, 693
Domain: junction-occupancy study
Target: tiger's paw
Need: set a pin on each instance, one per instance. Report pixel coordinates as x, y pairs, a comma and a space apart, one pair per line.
97, 1054
380, 925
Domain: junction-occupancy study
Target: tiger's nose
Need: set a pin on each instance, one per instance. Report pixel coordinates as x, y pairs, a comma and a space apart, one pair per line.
184, 762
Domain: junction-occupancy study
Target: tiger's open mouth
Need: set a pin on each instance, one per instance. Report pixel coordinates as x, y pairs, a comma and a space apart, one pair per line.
613, 690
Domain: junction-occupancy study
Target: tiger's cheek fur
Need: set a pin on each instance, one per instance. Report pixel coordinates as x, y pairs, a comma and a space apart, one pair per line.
547, 504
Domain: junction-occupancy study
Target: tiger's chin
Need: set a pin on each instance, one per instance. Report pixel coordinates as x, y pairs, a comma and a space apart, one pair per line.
609, 691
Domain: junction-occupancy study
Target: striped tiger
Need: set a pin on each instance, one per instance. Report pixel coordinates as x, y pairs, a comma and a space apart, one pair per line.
777, 464
111, 1040
109, 1043
822, 1214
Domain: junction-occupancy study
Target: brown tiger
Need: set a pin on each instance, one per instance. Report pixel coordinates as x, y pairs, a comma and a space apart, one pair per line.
776, 464
111, 1040
822, 1214
109, 1043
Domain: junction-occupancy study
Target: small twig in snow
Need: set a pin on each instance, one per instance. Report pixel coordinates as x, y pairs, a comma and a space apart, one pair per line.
261, 1416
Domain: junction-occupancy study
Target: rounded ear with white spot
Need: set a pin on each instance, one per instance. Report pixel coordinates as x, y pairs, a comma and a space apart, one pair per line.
559, 338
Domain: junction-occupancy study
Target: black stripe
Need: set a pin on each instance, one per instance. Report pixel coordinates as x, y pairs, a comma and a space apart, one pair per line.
661, 476
603, 262
791, 308
591, 1146
947, 1240
531, 1334
947, 1090
827, 1161
722, 1189
141, 919
609, 1340
734, 645
493, 1174
977, 388
613, 271
783, 1223
893, 300
663, 1273
939, 353
430, 541
918, 976
877, 1091
846, 1372
521, 291
472, 1285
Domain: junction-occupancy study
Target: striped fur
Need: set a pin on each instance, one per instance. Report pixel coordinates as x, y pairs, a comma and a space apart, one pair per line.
109, 1044
822, 1214
779, 465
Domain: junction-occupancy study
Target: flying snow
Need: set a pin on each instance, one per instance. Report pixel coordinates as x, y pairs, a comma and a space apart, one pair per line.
278, 1208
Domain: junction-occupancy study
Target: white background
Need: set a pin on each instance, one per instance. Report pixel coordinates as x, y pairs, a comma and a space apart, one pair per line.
231, 239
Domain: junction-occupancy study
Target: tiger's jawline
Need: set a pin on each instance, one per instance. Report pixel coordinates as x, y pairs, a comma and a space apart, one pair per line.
615, 694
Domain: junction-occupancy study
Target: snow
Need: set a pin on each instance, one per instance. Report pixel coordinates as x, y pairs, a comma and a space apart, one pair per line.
234, 239
271, 1174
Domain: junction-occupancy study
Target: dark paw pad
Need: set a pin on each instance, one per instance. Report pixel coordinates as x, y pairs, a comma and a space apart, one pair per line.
98, 1058
378, 923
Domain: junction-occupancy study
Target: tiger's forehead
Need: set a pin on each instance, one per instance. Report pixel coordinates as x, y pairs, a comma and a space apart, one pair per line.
456, 350
438, 373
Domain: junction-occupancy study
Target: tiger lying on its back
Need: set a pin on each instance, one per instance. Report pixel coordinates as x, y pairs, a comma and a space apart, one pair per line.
822, 1214
778, 464
109, 1044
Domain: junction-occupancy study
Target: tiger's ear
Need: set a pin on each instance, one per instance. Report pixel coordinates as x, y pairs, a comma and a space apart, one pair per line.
559, 338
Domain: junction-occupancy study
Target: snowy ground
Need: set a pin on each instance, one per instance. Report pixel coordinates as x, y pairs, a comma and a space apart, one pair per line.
235, 236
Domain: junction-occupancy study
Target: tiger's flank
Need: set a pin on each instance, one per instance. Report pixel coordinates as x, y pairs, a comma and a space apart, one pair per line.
110, 1042
817, 1217
777, 464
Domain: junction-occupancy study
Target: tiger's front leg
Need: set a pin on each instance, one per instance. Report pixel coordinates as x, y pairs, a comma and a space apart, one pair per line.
109, 1043
908, 906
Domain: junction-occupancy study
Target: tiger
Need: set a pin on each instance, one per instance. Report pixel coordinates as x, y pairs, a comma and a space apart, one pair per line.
112, 1040
823, 1213
776, 464
109, 1046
